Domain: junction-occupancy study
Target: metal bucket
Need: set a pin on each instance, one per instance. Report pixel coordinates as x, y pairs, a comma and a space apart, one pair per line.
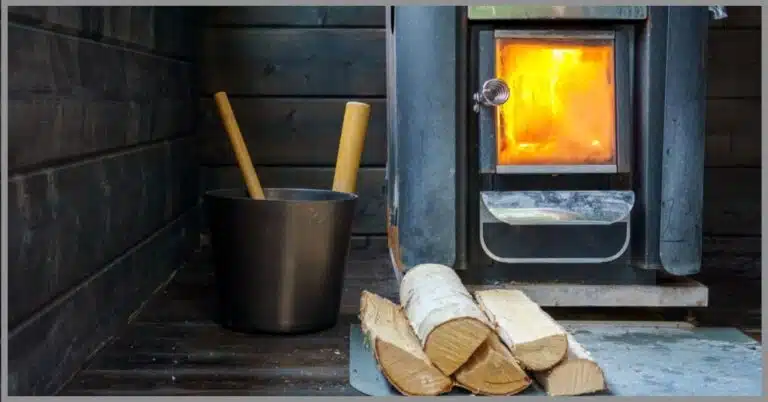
279, 262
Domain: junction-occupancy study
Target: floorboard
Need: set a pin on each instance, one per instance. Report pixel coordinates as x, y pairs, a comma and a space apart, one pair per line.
174, 347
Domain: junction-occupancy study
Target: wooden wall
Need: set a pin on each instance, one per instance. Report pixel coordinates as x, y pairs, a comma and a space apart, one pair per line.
289, 71
103, 183
732, 200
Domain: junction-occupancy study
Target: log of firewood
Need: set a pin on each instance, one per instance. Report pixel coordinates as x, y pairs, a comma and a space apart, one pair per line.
492, 370
578, 374
443, 314
397, 350
534, 338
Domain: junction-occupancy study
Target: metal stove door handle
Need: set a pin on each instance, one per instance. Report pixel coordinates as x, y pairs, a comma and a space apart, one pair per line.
495, 92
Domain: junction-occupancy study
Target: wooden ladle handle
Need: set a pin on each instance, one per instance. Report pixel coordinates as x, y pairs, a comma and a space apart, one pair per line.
353, 131
238, 145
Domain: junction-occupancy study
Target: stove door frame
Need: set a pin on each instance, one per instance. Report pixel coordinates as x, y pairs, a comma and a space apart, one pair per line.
624, 66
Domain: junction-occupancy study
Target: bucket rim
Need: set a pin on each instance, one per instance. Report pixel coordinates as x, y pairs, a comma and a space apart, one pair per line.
227, 194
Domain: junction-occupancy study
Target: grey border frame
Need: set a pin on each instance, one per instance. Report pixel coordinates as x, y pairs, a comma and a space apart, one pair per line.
4, 155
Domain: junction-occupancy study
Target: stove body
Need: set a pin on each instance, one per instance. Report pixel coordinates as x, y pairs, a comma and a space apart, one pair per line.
547, 144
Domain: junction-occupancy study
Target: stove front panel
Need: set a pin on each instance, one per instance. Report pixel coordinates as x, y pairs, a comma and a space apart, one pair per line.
569, 103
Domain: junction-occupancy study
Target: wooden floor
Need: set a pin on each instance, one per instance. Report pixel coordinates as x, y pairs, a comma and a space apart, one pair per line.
174, 348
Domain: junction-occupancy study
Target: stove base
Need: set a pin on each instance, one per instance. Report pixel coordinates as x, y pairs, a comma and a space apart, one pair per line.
675, 292
638, 359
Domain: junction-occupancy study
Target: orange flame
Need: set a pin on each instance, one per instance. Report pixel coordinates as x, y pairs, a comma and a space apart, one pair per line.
561, 108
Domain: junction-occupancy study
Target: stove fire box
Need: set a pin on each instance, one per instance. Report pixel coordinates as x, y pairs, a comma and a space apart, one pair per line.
547, 144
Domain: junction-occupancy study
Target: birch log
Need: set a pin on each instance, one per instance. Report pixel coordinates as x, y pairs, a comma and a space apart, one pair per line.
492, 370
578, 374
443, 314
397, 350
534, 338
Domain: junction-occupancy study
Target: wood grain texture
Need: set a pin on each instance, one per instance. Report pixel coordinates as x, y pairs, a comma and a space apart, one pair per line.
289, 131
169, 31
294, 62
303, 16
69, 97
44, 353
369, 215
734, 65
71, 221
732, 201
174, 346
734, 135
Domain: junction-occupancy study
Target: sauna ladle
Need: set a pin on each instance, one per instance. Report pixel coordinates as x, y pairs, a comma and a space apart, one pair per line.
238, 145
353, 131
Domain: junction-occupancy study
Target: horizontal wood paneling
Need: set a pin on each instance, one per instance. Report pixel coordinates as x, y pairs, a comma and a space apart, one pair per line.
289, 131
732, 201
47, 63
71, 221
369, 217
734, 65
734, 132
294, 62
338, 16
69, 97
162, 30
45, 353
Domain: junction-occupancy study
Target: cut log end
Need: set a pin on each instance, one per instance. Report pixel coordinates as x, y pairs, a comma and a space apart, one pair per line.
444, 316
408, 374
492, 370
573, 377
577, 374
397, 349
452, 343
542, 353
535, 339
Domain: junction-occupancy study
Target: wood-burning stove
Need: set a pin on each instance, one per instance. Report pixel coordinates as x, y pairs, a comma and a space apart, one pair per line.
547, 144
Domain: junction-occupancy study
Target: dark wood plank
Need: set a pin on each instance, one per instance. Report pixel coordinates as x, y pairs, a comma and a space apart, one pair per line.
305, 382
734, 65
294, 62
191, 296
43, 131
734, 135
369, 218
183, 352
199, 347
732, 201
304, 16
70, 97
732, 270
45, 351
46, 63
290, 131
739, 17
157, 29
60, 216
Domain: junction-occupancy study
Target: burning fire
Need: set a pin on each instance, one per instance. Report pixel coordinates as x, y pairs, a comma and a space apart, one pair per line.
561, 108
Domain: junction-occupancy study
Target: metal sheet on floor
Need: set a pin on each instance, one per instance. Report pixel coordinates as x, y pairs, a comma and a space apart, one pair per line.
639, 359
